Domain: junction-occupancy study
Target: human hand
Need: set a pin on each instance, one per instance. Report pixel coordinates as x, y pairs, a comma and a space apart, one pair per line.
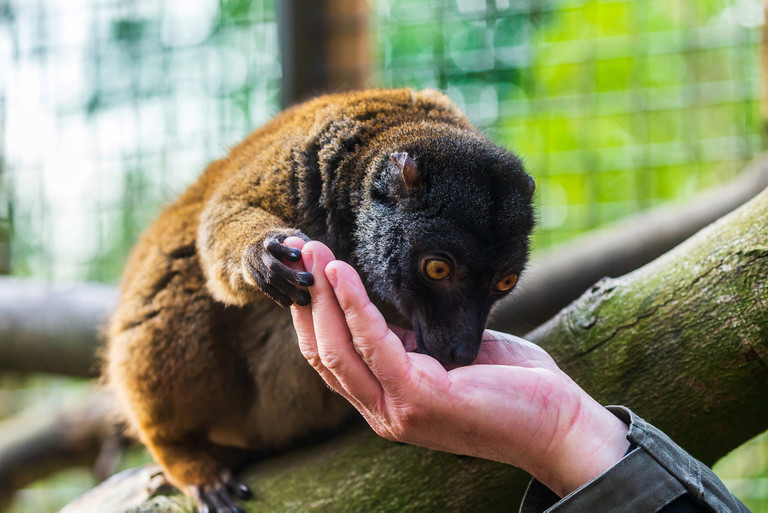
512, 405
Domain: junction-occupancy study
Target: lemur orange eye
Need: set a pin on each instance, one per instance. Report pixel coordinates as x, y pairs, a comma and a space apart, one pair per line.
506, 284
437, 268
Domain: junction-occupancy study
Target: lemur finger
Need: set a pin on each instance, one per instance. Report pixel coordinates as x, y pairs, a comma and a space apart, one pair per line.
197, 493
211, 502
268, 286
280, 250
300, 278
233, 486
299, 296
217, 500
229, 505
207, 501
302, 298
278, 296
239, 490
273, 292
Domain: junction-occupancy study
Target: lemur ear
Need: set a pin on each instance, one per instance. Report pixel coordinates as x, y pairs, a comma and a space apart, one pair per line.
531, 185
408, 170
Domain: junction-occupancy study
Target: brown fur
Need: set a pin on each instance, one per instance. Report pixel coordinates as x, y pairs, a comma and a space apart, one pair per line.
197, 354
199, 357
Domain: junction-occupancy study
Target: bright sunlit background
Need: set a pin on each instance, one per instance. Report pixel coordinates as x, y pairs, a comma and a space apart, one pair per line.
109, 108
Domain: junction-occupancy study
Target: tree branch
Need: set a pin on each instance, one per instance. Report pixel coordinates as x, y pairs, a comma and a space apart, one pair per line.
50, 437
46, 328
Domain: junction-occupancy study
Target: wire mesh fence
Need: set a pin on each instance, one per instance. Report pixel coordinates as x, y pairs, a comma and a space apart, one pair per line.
615, 105
109, 108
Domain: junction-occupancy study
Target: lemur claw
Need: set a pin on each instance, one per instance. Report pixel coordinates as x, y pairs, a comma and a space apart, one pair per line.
217, 497
277, 279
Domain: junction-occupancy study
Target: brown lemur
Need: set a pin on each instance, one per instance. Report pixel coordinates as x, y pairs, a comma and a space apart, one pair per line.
201, 352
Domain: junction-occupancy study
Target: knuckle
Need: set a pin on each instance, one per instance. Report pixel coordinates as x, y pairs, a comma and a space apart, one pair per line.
367, 351
332, 361
312, 356
252, 261
275, 266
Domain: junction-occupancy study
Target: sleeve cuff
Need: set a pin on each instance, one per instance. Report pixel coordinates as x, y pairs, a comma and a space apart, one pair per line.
647, 478
634, 483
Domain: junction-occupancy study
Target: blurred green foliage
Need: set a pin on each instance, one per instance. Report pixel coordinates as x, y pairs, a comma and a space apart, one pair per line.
615, 105
745, 472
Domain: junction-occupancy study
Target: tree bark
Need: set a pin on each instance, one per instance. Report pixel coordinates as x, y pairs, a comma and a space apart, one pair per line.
51, 436
324, 47
55, 329
683, 341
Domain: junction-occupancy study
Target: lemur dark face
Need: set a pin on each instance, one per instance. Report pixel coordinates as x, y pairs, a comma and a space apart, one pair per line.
447, 230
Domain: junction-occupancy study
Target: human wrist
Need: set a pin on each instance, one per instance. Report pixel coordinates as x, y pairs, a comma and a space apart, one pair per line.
593, 442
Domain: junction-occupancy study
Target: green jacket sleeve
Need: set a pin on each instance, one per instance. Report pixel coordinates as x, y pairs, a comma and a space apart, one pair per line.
655, 475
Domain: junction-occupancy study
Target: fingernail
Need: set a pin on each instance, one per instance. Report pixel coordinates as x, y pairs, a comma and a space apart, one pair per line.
333, 277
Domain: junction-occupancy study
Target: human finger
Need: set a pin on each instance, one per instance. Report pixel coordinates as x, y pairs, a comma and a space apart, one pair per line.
298, 243
303, 323
499, 348
334, 341
378, 346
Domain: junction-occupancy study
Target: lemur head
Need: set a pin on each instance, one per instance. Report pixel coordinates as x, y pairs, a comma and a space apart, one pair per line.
443, 233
